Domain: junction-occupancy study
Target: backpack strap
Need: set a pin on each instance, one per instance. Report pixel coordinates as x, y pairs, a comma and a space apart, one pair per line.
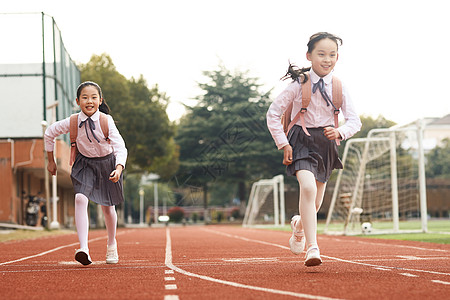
104, 126
73, 129
306, 99
337, 101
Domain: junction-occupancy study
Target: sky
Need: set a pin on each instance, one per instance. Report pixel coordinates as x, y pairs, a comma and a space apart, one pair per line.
394, 59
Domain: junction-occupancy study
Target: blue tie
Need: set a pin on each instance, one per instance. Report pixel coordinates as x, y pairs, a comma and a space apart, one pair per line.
91, 127
321, 87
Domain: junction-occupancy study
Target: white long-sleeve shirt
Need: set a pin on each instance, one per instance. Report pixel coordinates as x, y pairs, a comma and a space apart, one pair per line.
90, 148
318, 114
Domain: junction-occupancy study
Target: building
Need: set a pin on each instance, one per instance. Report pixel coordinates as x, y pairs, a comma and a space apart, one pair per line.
38, 80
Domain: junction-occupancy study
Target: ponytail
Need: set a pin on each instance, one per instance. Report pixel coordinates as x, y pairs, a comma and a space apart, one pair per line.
296, 74
104, 108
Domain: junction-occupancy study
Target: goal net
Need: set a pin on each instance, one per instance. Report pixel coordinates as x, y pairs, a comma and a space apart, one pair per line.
383, 182
265, 205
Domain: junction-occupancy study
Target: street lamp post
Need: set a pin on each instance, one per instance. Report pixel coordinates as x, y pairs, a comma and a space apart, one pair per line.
54, 224
141, 206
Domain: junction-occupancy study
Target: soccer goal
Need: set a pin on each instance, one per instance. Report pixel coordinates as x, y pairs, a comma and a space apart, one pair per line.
383, 182
265, 205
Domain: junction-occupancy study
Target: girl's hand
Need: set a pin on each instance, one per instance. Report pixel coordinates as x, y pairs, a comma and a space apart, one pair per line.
331, 133
287, 159
51, 167
115, 175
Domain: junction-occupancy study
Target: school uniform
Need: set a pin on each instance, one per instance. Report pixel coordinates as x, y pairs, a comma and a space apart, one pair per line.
96, 159
314, 153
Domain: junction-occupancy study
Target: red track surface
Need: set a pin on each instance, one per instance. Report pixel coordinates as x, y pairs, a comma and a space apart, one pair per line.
222, 262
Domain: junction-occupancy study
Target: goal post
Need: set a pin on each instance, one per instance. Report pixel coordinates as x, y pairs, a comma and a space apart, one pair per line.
383, 180
266, 203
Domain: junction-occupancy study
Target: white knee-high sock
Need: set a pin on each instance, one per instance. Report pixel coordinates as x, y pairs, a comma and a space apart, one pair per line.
307, 205
81, 219
320, 193
111, 223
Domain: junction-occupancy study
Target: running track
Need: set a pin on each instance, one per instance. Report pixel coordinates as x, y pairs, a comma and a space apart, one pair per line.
222, 262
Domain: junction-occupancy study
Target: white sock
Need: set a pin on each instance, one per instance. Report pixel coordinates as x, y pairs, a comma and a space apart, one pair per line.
307, 205
111, 223
81, 219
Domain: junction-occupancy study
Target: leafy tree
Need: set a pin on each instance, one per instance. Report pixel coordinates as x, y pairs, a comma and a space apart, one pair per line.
224, 138
140, 114
438, 161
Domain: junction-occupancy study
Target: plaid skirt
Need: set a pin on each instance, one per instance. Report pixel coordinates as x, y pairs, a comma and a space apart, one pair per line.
90, 177
314, 153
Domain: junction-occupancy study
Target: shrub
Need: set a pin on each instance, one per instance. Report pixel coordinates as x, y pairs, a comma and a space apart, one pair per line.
194, 217
176, 214
235, 213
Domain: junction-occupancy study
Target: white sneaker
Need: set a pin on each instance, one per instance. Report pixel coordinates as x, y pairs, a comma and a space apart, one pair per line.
313, 257
297, 240
82, 256
112, 257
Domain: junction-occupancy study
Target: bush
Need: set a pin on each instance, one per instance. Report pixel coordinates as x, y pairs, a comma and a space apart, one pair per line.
176, 214
235, 213
194, 217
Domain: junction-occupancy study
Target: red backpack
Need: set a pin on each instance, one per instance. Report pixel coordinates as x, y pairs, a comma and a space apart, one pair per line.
306, 98
74, 133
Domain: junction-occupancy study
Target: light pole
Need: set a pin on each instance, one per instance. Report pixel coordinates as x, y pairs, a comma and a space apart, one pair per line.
141, 206
54, 224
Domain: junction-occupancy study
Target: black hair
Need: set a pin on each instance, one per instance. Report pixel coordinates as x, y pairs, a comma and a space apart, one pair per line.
104, 108
296, 73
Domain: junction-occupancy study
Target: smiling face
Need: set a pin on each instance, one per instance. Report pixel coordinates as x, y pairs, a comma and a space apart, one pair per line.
323, 57
89, 100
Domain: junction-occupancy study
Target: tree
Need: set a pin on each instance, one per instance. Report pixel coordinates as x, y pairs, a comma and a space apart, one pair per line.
224, 138
438, 161
140, 114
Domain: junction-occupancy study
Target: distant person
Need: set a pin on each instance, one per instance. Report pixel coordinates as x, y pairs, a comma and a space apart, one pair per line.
97, 167
310, 147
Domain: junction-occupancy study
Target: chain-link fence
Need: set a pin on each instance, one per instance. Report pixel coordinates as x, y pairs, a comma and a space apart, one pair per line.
35, 71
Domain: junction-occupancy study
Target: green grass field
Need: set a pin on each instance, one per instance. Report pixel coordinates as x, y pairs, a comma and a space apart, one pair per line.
438, 231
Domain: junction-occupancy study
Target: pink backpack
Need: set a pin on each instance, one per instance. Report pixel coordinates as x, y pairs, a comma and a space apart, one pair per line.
306, 98
74, 133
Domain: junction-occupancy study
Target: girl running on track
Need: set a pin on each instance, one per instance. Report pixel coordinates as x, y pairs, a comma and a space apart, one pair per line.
310, 151
97, 168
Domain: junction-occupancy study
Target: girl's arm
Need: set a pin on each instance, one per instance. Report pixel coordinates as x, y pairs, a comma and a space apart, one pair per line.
54, 130
276, 110
51, 166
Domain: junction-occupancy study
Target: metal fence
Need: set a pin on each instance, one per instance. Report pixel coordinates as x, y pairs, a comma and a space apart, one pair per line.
36, 71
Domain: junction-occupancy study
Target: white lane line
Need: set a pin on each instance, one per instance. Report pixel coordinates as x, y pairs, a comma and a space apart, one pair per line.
383, 269
51, 250
168, 272
169, 278
409, 275
441, 282
171, 297
168, 262
171, 286
330, 257
409, 257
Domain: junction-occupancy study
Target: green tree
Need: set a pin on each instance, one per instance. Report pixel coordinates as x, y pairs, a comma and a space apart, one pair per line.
140, 114
438, 161
224, 138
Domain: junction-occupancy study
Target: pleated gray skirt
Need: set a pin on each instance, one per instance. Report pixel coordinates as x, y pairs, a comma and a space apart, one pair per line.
90, 177
315, 153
